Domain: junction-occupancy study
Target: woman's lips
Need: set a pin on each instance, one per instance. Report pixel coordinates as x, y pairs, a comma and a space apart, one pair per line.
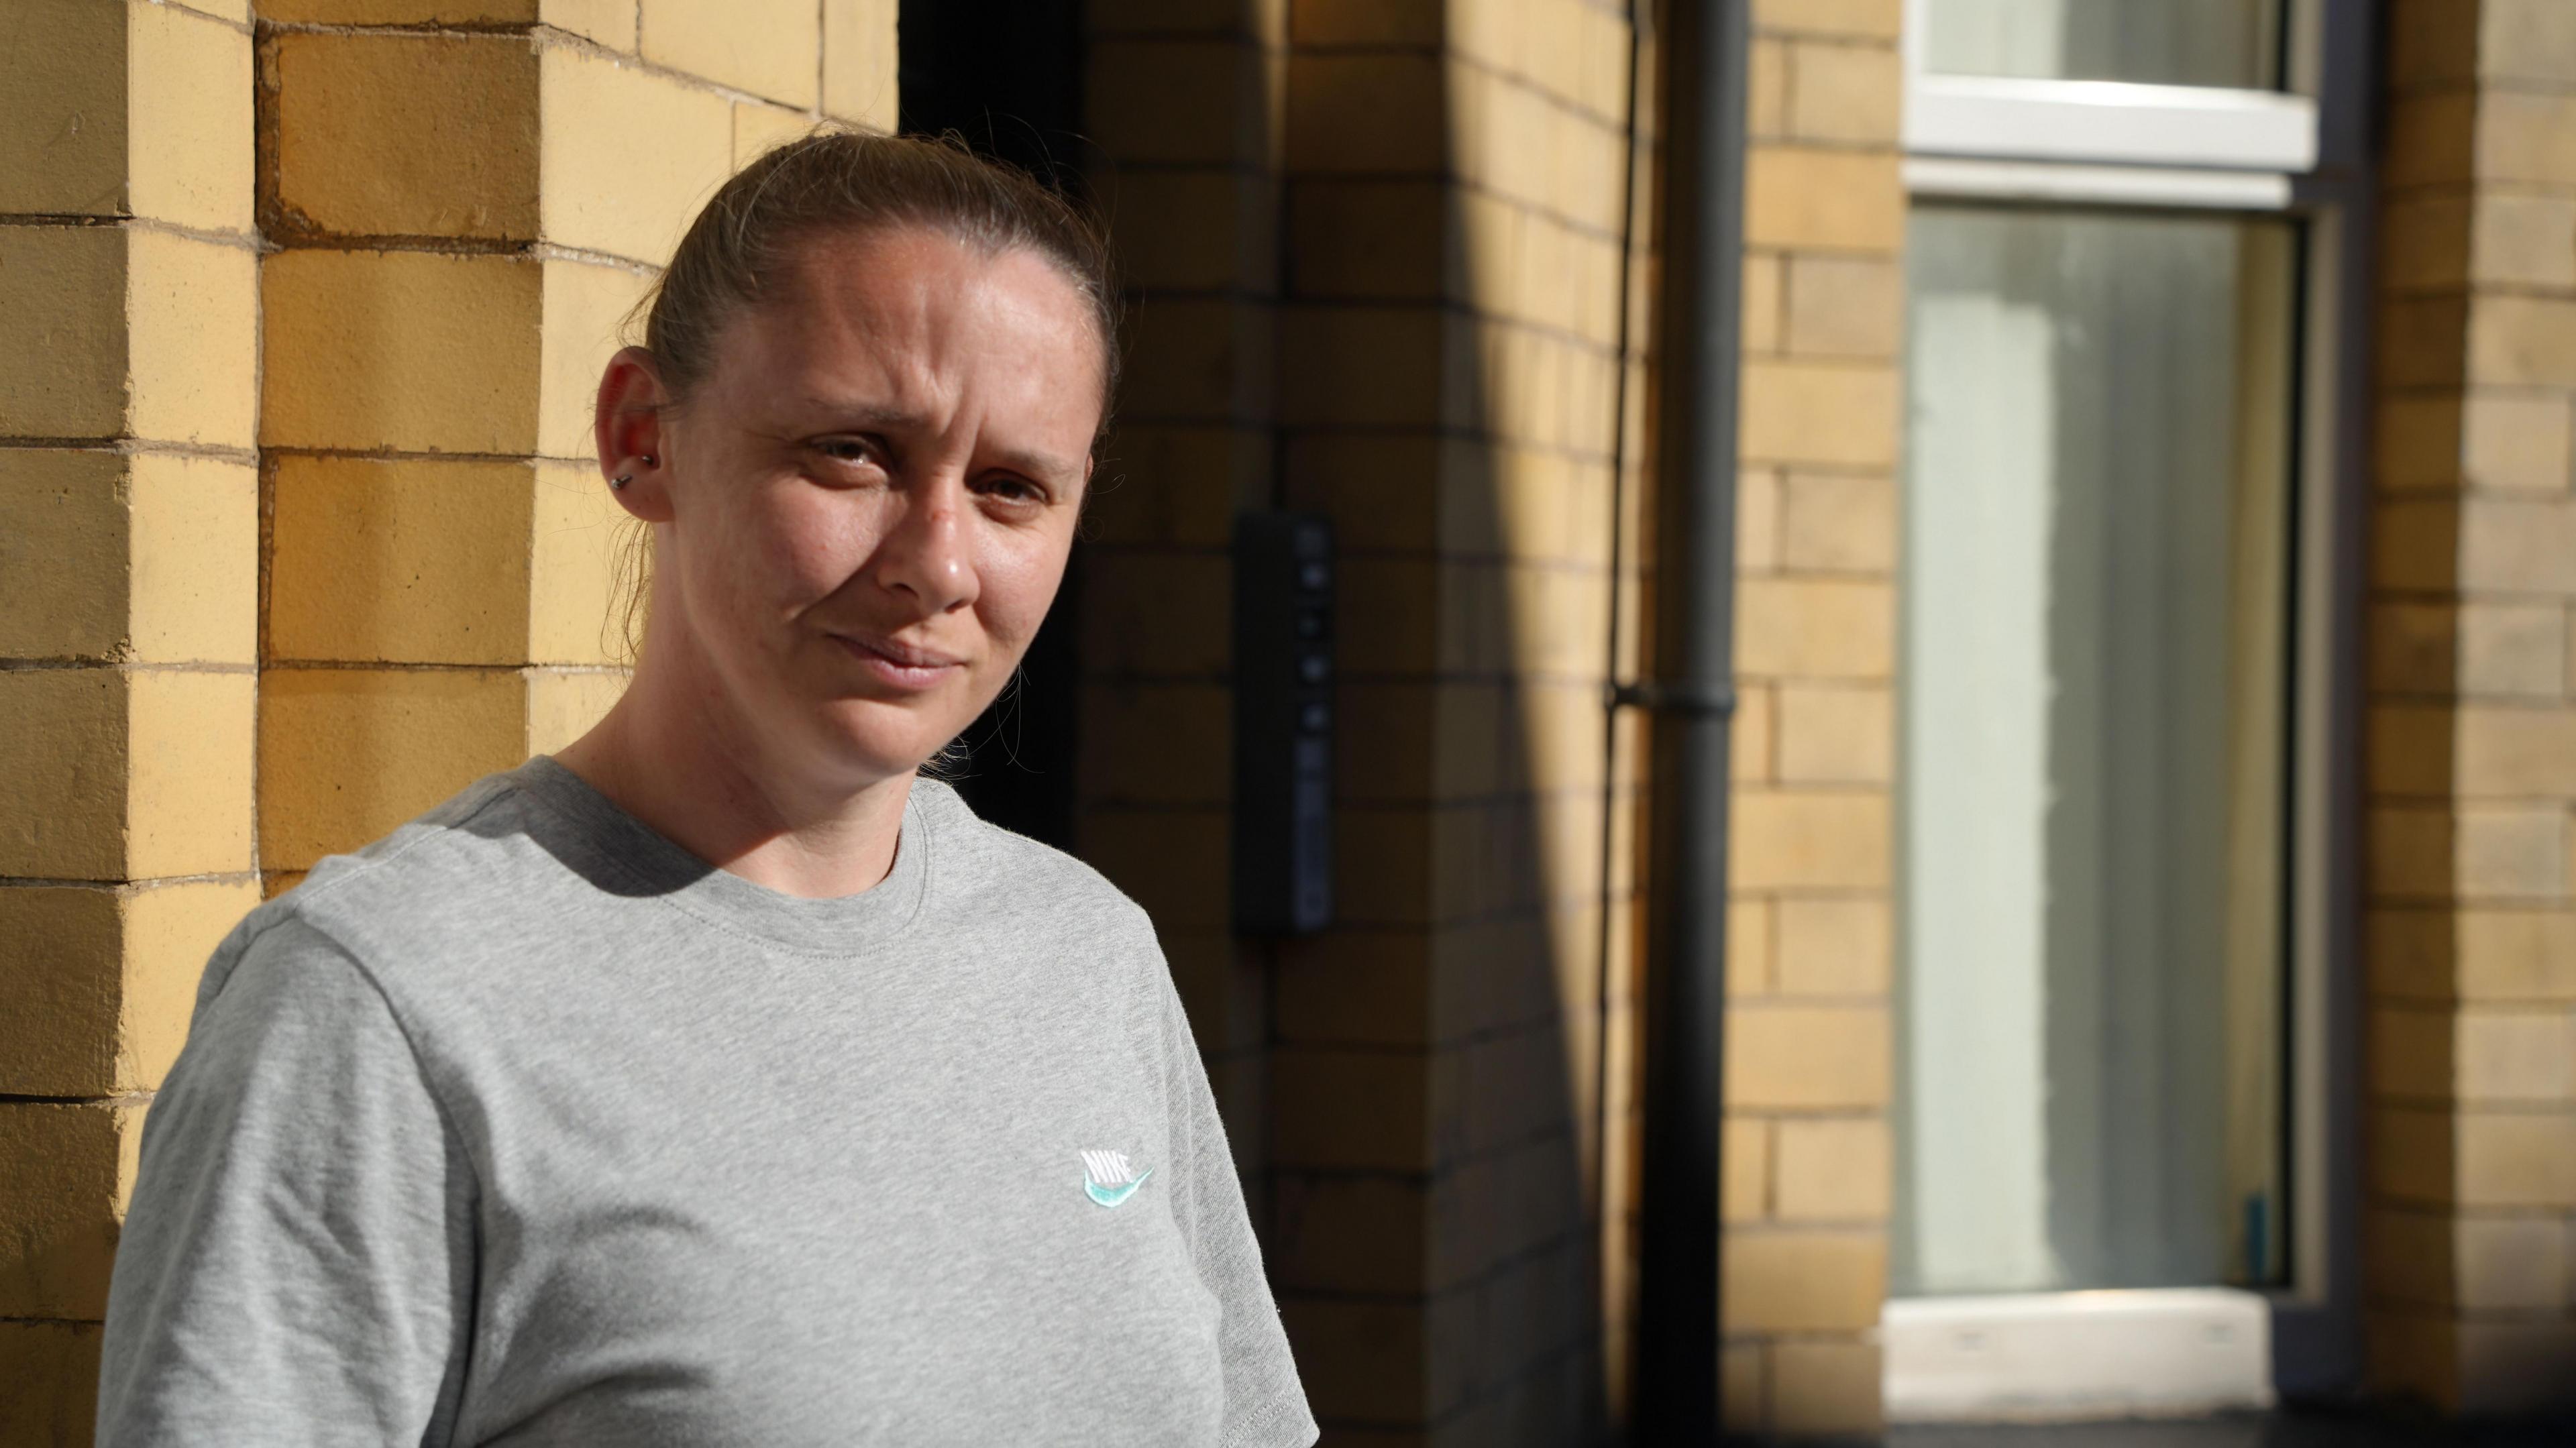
899, 665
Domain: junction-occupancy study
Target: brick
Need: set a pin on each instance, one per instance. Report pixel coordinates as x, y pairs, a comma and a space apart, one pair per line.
2431, 42
403, 133
1744, 1169
579, 537
2415, 441
1845, 306
628, 156
2489, 854
2515, 1056
1360, 1360
1180, 101
62, 331
759, 128
1765, 284
1366, 988
192, 322
1826, 1387
604, 22
1351, 365
192, 570
64, 129
415, 561
2505, 751
766, 47
2493, 649
2425, 342
563, 704
2431, 140
1360, 237
345, 755
1174, 863
1803, 198
103, 980
2525, 241
1836, 735
188, 784
1766, 100
2412, 1153
1860, 19
1180, 486
1749, 935
1806, 1056
1144, 744
2411, 1054
71, 1169
1810, 840
1366, 1110
1197, 359
2515, 443
1197, 230
1157, 615
1830, 947
2516, 1160
2426, 243
2522, 341
1803, 1281
2526, 137
2511, 1264
1833, 1169
189, 127
2480, 955
1845, 93
65, 589
132, 774
1368, 1234
1815, 628
2529, 40
405, 351
400, 12
1837, 523
859, 52
2519, 546
585, 309
52, 1370
1812, 412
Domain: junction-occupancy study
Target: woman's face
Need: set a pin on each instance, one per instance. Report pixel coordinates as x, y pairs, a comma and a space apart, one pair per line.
872, 493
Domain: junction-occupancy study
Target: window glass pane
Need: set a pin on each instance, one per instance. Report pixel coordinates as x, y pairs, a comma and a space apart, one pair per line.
2095, 711
2232, 43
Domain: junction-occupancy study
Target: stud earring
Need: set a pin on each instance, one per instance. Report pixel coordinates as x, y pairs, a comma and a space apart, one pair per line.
621, 480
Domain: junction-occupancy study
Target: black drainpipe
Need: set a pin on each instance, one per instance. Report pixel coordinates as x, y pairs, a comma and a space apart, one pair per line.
1690, 692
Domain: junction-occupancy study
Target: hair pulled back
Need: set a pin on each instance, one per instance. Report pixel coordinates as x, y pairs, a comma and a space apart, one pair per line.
741, 250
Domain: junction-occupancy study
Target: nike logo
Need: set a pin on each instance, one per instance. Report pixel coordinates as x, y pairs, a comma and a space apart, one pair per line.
1109, 1178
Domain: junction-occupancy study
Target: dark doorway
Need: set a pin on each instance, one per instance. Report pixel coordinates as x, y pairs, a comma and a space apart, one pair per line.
1006, 75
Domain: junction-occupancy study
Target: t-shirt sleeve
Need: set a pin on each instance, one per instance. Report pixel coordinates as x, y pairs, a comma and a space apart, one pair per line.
1265, 1405
297, 1262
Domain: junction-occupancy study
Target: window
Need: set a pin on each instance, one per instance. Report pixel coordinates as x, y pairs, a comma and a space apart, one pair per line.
2123, 390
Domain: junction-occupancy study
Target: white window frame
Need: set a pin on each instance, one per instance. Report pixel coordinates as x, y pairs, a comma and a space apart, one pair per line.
2293, 152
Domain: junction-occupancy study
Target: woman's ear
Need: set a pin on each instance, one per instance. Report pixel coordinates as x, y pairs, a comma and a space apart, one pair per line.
627, 422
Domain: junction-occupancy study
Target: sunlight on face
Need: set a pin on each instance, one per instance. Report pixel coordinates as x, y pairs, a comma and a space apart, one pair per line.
873, 494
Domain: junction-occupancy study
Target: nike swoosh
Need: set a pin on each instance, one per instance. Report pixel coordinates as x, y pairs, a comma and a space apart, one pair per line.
1112, 1196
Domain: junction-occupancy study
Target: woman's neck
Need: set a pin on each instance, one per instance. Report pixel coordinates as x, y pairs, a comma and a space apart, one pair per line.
666, 756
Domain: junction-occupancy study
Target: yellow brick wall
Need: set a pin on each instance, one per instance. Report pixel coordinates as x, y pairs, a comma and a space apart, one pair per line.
128, 622
467, 197
298, 532
1807, 1152
2471, 933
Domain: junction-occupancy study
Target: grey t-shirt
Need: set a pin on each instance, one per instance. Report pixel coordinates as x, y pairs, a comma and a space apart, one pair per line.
525, 1126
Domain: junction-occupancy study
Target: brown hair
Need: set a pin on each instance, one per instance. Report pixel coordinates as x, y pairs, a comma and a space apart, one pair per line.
741, 250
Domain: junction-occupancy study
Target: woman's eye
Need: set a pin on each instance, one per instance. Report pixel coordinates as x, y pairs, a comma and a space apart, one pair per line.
849, 450
1012, 490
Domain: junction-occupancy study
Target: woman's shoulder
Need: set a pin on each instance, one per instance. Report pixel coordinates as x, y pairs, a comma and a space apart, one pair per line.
996, 869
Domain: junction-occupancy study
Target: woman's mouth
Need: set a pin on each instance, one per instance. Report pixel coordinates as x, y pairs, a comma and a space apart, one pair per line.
900, 665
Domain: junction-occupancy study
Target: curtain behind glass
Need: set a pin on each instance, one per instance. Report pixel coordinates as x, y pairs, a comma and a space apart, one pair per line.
2095, 596
2172, 42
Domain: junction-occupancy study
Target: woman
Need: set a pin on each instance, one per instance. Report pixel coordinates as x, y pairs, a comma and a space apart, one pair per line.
721, 1080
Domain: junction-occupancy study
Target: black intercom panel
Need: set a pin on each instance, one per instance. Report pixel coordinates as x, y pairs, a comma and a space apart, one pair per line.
1283, 723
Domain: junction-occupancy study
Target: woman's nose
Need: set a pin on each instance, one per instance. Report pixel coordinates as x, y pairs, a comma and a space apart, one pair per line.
925, 553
